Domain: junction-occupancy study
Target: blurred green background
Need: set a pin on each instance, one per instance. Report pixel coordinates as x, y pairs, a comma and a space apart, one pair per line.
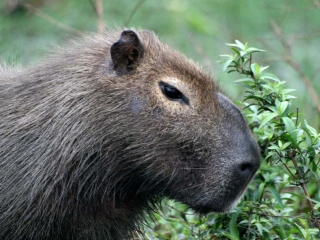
288, 30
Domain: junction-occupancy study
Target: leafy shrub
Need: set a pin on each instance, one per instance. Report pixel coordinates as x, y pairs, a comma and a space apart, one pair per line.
282, 202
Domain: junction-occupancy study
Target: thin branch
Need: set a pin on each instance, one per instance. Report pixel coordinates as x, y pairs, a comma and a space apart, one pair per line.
263, 214
49, 19
99, 12
296, 66
316, 4
305, 190
136, 7
249, 225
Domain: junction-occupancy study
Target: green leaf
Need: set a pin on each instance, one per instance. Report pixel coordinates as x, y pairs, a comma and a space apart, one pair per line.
230, 236
183, 216
254, 50
268, 118
276, 195
233, 225
240, 45
236, 51
289, 124
261, 190
269, 76
273, 147
283, 106
280, 232
285, 145
245, 80
172, 220
260, 228
227, 56
287, 90
255, 68
290, 96
273, 109
226, 64
232, 44
263, 68
301, 230
312, 131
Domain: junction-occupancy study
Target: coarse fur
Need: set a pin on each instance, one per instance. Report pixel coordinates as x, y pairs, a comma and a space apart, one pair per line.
95, 135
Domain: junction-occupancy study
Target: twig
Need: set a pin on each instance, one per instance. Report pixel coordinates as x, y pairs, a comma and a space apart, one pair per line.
136, 7
296, 66
249, 225
49, 19
99, 12
316, 3
305, 190
263, 214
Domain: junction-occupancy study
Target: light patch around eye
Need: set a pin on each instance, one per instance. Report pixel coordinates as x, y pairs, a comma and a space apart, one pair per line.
176, 107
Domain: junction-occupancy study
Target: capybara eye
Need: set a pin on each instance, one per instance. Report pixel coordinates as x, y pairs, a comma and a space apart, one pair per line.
171, 92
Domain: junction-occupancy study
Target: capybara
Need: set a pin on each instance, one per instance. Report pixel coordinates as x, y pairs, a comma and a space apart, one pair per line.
94, 136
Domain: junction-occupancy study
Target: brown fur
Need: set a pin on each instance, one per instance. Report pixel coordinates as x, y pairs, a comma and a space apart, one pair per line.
90, 140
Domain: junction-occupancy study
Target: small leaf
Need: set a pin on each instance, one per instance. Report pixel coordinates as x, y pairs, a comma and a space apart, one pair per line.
267, 119
270, 76
236, 51
242, 53
263, 68
276, 195
283, 106
289, 124
260, 228
273, 147
240, 44
226, 64
172, 220
285, 145
245, 80
261, 190
232, 44
230, 236
255, 68
183, 216
312, 131
287, 90
301, 230
273, 109
290, 96
251, 50
233, 225
280, 232
228, 56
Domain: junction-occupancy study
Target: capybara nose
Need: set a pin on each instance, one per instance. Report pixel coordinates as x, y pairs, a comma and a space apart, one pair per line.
249, 163
246, 170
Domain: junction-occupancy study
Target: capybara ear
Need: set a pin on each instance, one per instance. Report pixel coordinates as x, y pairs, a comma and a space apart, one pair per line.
127, 52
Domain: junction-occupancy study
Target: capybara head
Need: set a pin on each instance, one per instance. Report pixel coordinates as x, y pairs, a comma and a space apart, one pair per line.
91, 138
